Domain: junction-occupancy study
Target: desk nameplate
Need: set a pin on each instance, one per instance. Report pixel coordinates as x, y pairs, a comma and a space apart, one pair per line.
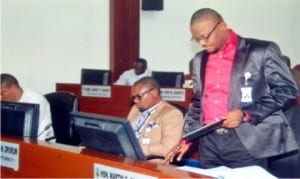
103, 171
96, 91
173, 94
10, 155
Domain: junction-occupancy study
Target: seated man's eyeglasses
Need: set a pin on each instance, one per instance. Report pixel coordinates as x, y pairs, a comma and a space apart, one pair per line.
140, 96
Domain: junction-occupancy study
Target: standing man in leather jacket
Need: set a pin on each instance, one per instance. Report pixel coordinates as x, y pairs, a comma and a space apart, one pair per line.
244, 81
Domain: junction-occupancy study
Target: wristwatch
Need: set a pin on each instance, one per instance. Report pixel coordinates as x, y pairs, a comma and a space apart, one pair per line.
246, 117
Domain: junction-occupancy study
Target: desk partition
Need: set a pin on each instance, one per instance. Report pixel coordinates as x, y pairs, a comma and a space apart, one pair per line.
31, 158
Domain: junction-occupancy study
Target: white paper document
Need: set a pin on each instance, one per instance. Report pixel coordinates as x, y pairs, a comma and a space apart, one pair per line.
223, 172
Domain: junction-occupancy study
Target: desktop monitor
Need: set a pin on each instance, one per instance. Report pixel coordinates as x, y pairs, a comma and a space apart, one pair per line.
95, 77
169, 79
19, 119
107, 134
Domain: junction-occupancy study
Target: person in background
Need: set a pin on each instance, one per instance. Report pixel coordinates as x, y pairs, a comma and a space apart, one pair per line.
297, 67
157, 124
295, 73
12, 91
245, 82
188, 81
138, 71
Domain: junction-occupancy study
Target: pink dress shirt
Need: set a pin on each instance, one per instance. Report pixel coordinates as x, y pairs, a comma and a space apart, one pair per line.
217, 80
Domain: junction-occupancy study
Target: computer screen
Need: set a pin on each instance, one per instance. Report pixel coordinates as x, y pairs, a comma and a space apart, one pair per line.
19, 119
169, 79
107, 134
95, 77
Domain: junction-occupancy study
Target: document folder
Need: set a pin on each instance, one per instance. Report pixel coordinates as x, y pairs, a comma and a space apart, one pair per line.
203, 130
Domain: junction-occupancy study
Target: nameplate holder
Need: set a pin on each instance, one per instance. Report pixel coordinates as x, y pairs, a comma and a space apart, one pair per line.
173, 94
10, 155
103, 171
96, 91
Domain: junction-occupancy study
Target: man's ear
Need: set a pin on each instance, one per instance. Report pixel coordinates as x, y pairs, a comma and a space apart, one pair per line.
156, 92
223, 25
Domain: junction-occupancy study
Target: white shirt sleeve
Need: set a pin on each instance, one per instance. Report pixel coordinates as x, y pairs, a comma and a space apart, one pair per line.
45, 129
123, 79
129, 77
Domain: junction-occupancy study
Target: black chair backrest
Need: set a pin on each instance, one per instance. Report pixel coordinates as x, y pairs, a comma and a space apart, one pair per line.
169, 79
61, 105
288, 165
181, 108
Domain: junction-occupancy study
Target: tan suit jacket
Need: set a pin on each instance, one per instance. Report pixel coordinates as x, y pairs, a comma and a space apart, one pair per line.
167, 122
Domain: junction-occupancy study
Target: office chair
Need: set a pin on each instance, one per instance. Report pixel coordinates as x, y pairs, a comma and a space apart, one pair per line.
61, 105
191, 156
288, 165
169, 79
181, 108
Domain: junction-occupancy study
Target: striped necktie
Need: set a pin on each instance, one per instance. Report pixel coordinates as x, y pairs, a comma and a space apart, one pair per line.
139, 123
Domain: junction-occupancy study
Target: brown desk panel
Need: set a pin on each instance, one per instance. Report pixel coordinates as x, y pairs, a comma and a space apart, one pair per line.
42, 159
118, 105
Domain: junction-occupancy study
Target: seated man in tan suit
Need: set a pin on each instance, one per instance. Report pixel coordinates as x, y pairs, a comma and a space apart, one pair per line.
157, 124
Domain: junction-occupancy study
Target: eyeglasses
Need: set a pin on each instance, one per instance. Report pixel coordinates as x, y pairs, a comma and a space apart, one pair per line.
140, 96
196, 39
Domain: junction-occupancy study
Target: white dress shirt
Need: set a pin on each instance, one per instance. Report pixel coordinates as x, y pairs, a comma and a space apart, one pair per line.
45, 129
128, 77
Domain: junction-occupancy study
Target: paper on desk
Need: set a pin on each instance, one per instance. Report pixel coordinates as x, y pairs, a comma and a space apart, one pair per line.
228, 173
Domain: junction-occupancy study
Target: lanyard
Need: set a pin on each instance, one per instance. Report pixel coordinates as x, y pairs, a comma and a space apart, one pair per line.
141, 121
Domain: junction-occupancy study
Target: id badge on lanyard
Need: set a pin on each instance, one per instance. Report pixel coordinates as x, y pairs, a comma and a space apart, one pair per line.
246, 90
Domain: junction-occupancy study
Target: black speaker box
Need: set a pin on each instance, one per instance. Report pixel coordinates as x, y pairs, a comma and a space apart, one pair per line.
152, 5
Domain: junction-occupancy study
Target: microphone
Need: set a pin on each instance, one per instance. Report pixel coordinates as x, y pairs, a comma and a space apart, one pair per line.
45, 129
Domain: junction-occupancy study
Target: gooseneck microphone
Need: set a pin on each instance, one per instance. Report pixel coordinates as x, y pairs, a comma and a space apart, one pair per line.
45, 129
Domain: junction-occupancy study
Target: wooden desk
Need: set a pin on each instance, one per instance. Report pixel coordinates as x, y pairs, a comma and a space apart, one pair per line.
51, 160
118, 104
